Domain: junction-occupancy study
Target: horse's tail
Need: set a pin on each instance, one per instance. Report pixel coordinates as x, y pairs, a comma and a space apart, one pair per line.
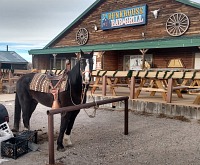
17, 114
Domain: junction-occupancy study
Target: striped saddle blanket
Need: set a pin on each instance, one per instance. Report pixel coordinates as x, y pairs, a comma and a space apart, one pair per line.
41, 83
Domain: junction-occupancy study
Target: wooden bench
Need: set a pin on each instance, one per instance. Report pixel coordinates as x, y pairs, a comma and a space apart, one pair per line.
197, 93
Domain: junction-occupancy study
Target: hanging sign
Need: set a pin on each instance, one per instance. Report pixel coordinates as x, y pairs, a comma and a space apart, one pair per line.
132, 16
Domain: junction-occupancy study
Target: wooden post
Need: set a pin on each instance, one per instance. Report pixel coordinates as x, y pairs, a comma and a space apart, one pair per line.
1, 86
10, 81
143, 51
104, 85
54, 61
132, 88
51, 139
169, 90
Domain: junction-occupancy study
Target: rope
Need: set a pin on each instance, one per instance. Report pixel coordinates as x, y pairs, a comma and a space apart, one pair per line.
194, 75
165, 74
170, 76
130, 72
157, 73
98, 72
183, 75
115, 73
137, 73
104, 73
82, 99
146, 74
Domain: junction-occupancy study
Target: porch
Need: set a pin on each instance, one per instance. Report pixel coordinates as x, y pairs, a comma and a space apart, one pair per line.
182, 107
157, 92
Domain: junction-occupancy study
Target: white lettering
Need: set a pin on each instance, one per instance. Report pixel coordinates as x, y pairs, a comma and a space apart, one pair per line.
127, 21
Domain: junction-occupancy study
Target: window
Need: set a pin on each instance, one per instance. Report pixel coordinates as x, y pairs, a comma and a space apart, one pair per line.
134, 62
73, 61
60, 63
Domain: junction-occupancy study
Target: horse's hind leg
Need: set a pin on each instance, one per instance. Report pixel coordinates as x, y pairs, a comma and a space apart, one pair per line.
27, 110
17, 114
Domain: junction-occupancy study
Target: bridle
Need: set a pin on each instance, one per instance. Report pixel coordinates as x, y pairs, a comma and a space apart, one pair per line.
84, 88
84, 84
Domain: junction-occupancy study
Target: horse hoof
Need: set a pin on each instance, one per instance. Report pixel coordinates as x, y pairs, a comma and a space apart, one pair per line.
69, 145
67, 141
15, 130
26, 129
60, 149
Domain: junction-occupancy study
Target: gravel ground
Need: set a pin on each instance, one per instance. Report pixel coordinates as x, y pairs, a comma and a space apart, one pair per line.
152, 140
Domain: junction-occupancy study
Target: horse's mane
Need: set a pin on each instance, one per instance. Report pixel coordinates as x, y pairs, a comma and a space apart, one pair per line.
74, 77
75, 72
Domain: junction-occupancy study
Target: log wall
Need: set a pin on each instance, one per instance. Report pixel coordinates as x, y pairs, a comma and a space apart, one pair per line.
155, 28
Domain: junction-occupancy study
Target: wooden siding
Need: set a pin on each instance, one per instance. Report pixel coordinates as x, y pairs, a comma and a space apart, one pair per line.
110, 60
162, 57
155, 28
41, 62
113, 60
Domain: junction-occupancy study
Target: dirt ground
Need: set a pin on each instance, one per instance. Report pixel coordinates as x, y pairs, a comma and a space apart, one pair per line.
152, 140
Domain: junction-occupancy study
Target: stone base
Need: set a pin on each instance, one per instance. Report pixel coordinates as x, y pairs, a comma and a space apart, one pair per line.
167, 109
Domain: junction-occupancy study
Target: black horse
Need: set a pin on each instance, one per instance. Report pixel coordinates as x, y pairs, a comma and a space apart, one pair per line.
78, 80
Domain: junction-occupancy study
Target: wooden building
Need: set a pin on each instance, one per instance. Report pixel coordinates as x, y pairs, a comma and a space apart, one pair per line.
125, 33
10, 60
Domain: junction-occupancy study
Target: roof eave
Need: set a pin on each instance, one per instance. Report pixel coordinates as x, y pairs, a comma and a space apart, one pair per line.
142, 44
8, 62
191, 3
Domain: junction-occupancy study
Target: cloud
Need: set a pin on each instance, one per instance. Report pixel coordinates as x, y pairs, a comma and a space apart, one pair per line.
37, 21
31, 24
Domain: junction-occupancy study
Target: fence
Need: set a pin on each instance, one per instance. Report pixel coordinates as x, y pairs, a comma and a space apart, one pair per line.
51, 113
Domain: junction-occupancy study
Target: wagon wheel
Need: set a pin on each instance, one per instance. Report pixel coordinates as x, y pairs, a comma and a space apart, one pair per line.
177, 24
82, 36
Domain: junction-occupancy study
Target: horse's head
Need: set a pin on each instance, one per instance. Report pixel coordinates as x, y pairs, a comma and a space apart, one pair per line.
86, 66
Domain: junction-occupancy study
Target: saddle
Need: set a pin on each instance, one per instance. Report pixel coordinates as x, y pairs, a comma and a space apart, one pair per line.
57, 87
54, 77
43, 82
49, 83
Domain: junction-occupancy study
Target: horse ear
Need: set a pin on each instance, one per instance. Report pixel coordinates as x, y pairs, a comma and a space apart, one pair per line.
82, 53
92, 52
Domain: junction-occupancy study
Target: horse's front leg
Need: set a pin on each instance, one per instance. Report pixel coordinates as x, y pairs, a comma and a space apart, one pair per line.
72, 117
63, 126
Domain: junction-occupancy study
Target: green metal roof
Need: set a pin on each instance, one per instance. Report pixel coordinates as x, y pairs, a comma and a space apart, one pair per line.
191, 3
171, 42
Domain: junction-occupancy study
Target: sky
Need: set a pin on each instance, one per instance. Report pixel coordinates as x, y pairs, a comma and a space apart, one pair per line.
32, 24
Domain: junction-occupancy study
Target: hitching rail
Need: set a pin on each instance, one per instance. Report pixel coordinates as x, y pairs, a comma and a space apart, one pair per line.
52, 112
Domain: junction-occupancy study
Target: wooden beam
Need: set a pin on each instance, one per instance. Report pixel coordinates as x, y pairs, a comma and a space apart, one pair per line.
143, 51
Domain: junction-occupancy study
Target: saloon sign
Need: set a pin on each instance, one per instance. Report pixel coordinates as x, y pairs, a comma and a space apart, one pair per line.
133, 16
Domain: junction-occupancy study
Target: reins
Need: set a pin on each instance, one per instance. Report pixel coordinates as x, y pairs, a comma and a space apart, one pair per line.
83, 95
